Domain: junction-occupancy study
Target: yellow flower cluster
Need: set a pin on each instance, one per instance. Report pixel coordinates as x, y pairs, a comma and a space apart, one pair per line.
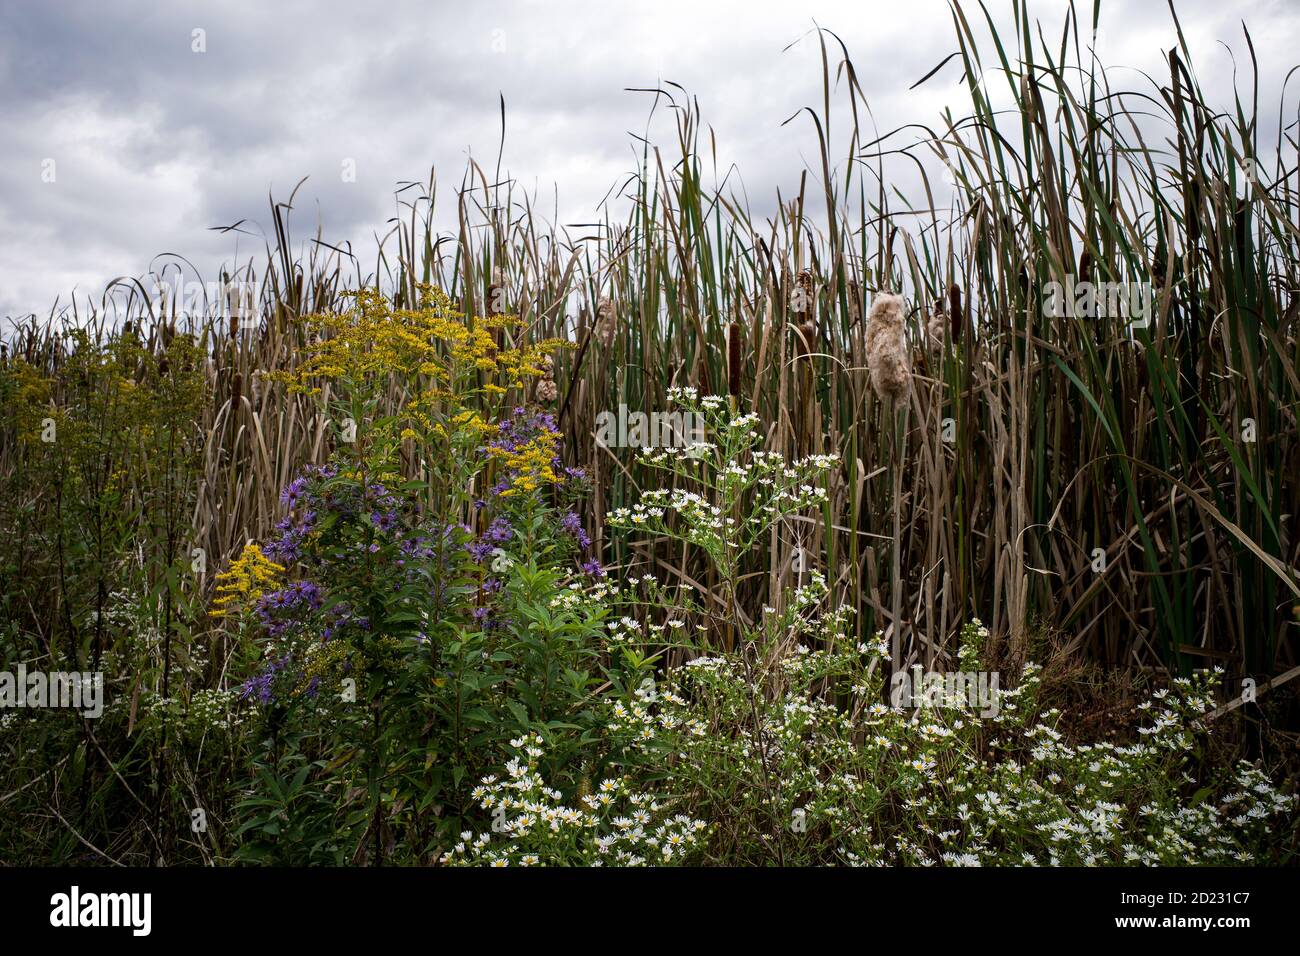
380, 477
245, 582
467, 423
433, 343
29, 399
324, 663
530, 463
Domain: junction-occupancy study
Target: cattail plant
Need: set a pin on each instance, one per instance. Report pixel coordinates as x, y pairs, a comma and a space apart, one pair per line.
803, 317
890, 368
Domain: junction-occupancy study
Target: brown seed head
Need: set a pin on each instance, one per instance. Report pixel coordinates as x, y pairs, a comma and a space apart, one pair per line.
955, 312
606, 322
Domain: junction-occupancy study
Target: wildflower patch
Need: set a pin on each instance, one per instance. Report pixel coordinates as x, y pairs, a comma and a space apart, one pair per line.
75, 690
971, 690
676, 429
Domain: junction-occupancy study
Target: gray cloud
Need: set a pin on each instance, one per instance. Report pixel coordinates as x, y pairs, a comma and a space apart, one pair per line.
154, 143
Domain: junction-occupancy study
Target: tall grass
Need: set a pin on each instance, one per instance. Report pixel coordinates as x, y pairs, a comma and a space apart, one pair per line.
1068, 434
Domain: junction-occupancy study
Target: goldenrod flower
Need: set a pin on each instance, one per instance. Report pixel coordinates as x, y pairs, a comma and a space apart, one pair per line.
245, 582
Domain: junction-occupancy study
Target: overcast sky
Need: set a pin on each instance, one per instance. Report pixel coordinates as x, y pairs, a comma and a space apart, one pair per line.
149, 141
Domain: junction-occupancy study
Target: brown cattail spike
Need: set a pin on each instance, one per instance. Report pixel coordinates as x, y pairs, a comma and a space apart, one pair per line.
955, 312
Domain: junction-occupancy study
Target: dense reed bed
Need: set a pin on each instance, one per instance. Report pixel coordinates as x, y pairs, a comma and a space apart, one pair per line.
1123, 491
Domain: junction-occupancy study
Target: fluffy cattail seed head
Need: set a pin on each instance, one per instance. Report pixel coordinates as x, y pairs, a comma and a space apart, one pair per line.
934, 329
606, 322
887, 358
801, 297
803, 308
546, 388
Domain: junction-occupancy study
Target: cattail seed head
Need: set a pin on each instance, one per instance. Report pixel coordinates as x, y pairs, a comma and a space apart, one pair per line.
606, 322
934, 329
801, 297
955, 312
547, 391
887, 358
803, 308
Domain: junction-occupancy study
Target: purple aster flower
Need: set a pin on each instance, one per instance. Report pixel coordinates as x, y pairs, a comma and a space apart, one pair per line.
293, 491
571, 525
